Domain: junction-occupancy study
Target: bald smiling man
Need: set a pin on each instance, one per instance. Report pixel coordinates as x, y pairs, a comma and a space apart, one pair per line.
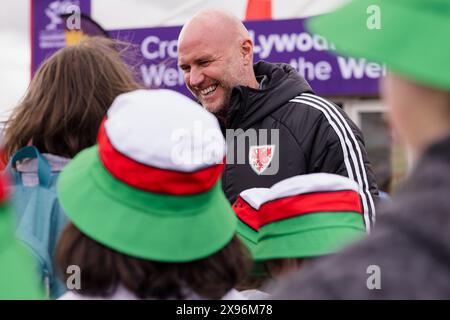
290, 130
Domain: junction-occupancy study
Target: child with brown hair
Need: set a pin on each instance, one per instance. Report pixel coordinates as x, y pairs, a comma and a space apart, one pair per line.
58, 117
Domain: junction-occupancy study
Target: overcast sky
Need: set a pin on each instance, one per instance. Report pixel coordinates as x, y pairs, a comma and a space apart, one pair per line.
115, 14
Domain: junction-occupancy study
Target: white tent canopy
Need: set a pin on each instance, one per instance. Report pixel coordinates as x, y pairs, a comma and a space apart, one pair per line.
118, 14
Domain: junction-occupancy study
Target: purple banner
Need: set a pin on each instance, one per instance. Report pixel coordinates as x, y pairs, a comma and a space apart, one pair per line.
47, 26
274, 41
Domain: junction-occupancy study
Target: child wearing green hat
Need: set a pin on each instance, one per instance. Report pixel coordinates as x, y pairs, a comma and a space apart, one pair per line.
298, 220
406, 256
148, 216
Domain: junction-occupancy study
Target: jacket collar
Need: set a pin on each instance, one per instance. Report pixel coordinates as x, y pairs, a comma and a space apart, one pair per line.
249, 106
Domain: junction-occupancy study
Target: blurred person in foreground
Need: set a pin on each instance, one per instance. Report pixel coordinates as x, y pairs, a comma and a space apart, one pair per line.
268, 99
407, 256
18, 279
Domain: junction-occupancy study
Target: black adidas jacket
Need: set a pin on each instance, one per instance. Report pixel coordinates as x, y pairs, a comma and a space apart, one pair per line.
305, 134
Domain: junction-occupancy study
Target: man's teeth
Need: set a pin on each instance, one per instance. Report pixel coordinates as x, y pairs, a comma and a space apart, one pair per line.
208, 90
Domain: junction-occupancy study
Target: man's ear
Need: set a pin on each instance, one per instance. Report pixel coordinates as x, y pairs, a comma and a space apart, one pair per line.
247, 51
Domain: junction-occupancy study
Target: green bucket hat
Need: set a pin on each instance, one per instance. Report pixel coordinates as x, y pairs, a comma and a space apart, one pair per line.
18, 279
312, 235
246, 208
305, 216
135, 194
410, 36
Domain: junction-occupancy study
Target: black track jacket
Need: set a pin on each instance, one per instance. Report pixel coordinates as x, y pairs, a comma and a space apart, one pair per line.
292, 132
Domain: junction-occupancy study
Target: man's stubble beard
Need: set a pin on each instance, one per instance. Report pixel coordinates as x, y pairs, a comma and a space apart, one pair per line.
222, 113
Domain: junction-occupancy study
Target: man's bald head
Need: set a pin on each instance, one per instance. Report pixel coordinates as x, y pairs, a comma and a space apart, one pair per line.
220, 23
216, 54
